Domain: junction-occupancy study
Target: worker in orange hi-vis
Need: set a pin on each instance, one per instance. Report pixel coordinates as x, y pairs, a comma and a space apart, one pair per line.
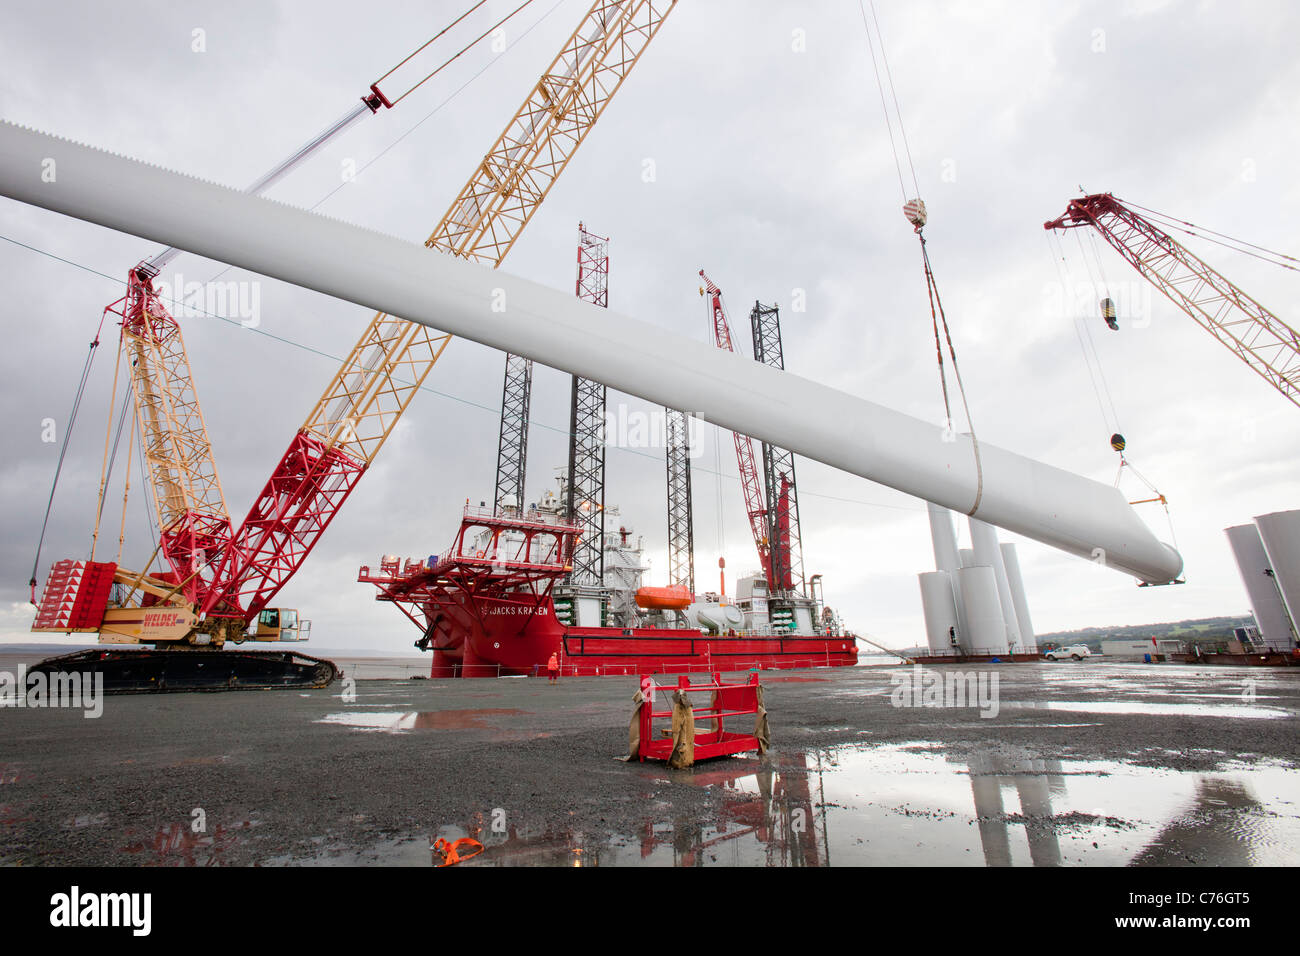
553, 667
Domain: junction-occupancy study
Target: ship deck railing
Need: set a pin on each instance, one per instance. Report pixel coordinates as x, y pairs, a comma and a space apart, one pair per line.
968, 653
509, 516
739, 666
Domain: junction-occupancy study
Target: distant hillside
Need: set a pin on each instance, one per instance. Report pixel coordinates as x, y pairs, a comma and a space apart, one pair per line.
1207, 630
1202, 630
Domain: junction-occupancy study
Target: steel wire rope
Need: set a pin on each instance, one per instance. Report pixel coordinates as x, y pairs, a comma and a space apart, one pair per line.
112, 457
1123, 459
424, 119
880, 86
1087, 328
1059, 263
937, 314
1187, 227
452, 59
63, 449
898, 111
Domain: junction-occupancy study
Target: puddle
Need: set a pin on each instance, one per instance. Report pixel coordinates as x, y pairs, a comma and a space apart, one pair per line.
905, 804
398, 722
1244, 711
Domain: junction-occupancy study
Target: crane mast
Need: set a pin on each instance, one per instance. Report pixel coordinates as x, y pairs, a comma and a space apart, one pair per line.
755, 506
681, 522
783, 530
586, 485
1269, 346
193, 521
520, 169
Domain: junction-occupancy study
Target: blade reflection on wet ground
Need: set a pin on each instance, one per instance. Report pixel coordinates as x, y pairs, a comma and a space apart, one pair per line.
916, 804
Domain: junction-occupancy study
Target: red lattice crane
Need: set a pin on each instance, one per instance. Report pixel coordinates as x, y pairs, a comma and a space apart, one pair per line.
1269, 346
755, 503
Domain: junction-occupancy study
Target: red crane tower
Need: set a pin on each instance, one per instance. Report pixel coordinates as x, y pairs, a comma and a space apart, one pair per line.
778, 468
755, 504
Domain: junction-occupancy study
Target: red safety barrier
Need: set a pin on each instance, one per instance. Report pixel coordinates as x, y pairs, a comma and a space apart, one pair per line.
726, 700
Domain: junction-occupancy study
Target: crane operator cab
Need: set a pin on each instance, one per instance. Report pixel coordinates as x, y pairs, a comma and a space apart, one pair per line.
281, 624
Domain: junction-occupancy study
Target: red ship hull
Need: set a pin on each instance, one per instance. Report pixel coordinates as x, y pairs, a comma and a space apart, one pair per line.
502, 637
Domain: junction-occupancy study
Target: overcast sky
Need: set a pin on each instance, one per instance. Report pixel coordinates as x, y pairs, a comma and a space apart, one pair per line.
772, 170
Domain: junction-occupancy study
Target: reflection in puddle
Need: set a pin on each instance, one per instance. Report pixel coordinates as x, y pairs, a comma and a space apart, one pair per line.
177, 844
907, 804
1211, 827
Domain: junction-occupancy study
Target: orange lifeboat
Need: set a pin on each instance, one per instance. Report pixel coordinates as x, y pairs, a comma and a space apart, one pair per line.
675, 598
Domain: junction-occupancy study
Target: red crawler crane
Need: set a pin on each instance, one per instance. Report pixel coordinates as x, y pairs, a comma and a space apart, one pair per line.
221, 580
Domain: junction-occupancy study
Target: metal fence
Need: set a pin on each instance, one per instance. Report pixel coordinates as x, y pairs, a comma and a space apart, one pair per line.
384, 670
966, 653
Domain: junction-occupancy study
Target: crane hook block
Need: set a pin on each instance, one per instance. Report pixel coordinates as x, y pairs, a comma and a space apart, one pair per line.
1108, 313
914, 210
1117, 441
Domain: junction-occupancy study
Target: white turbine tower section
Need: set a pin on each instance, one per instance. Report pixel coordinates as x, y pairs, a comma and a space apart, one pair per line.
946, 558
1280, 533
939, 610
1066, 511
1018, 598
1265, 601
986, 629
944, 538
984, 538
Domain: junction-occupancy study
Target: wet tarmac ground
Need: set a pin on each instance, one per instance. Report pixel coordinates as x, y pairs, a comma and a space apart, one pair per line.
1054, 764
